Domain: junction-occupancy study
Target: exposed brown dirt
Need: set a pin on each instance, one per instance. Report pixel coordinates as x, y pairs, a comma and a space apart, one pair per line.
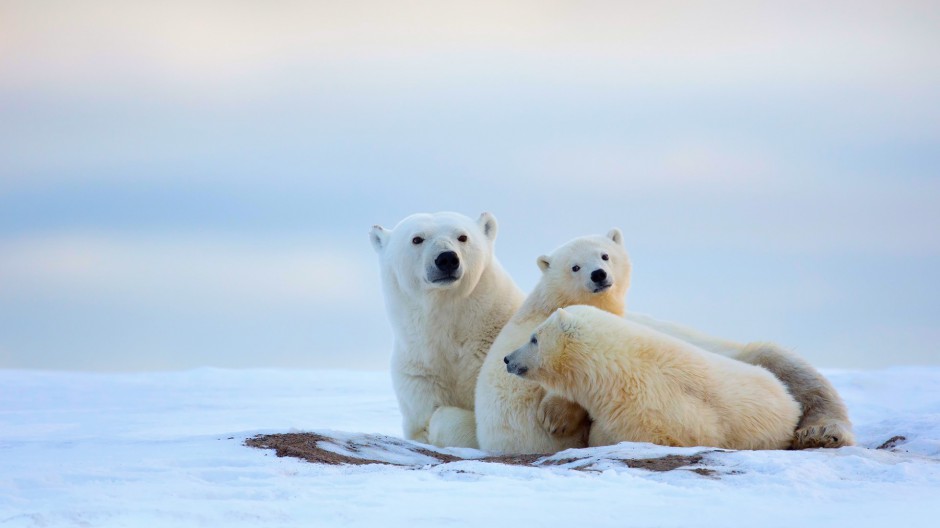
892, 442
306, 446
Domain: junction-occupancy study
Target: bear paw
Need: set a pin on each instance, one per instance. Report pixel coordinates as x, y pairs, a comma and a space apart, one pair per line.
563, 418
835, 434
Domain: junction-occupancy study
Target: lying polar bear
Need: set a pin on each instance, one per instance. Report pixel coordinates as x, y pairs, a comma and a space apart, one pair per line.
641, 385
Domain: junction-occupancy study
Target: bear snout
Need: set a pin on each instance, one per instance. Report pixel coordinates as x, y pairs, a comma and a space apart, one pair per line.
600, 280
514, 368
447, 261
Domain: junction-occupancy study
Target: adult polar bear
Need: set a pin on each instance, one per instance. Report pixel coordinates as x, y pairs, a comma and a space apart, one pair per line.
447, 299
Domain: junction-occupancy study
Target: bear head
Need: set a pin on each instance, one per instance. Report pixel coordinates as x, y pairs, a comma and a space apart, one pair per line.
592, 270
550, 352
443, 252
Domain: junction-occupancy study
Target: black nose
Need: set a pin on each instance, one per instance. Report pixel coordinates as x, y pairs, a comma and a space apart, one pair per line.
447, 261
506, 360
598, 275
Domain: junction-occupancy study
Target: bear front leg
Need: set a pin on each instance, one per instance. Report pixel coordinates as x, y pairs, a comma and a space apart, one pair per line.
415, 423
825, 420
453, 427
417, 401
563, 418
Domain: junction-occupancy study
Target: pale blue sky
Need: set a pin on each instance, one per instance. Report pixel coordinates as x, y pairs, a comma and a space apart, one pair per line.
192, 183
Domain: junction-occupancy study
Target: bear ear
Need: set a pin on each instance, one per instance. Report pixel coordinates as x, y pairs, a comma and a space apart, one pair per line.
615, 235
487, 223
544, 263
564, 319
379, 237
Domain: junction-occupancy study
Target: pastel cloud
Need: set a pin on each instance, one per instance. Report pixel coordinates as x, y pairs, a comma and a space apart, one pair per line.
182, 271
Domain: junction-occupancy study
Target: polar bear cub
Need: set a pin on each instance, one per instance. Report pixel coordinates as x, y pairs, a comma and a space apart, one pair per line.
515, 415
825, 421
447, 298
644, 386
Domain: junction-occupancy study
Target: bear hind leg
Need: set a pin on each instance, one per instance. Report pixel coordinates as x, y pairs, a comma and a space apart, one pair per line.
825, 421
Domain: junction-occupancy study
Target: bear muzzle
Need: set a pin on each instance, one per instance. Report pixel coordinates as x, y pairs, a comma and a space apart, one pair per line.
513, 366
446, 269
447, 261
600, 280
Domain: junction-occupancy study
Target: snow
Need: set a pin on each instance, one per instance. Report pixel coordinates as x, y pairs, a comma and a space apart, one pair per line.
166, 449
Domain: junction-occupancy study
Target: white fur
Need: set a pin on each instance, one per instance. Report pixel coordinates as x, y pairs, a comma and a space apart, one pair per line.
442, 330
825, 419
506, 405
644, 386
705, 342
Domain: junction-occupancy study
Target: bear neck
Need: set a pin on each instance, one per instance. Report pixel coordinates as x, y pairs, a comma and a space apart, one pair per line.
541, 303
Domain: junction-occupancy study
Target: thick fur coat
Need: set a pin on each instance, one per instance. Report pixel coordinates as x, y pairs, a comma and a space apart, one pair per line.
447, 298
641, 385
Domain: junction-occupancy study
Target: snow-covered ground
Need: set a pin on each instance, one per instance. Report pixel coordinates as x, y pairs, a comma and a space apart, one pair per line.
166, 449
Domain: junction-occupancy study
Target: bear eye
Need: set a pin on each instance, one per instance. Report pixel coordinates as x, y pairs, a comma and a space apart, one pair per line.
575, 268
605, 257
462, 238
534, 341
417, 240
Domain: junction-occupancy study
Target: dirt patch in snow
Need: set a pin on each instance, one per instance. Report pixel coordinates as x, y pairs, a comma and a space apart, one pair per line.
892, 442
376, 449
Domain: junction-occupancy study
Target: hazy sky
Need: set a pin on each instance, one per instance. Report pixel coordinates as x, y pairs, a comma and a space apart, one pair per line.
192, 183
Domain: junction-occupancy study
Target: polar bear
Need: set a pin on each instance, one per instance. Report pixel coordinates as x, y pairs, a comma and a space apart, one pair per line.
825, 419
447, 298
640, 385
515, 415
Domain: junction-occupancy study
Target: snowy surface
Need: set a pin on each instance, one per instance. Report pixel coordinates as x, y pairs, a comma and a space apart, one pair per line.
166, 449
